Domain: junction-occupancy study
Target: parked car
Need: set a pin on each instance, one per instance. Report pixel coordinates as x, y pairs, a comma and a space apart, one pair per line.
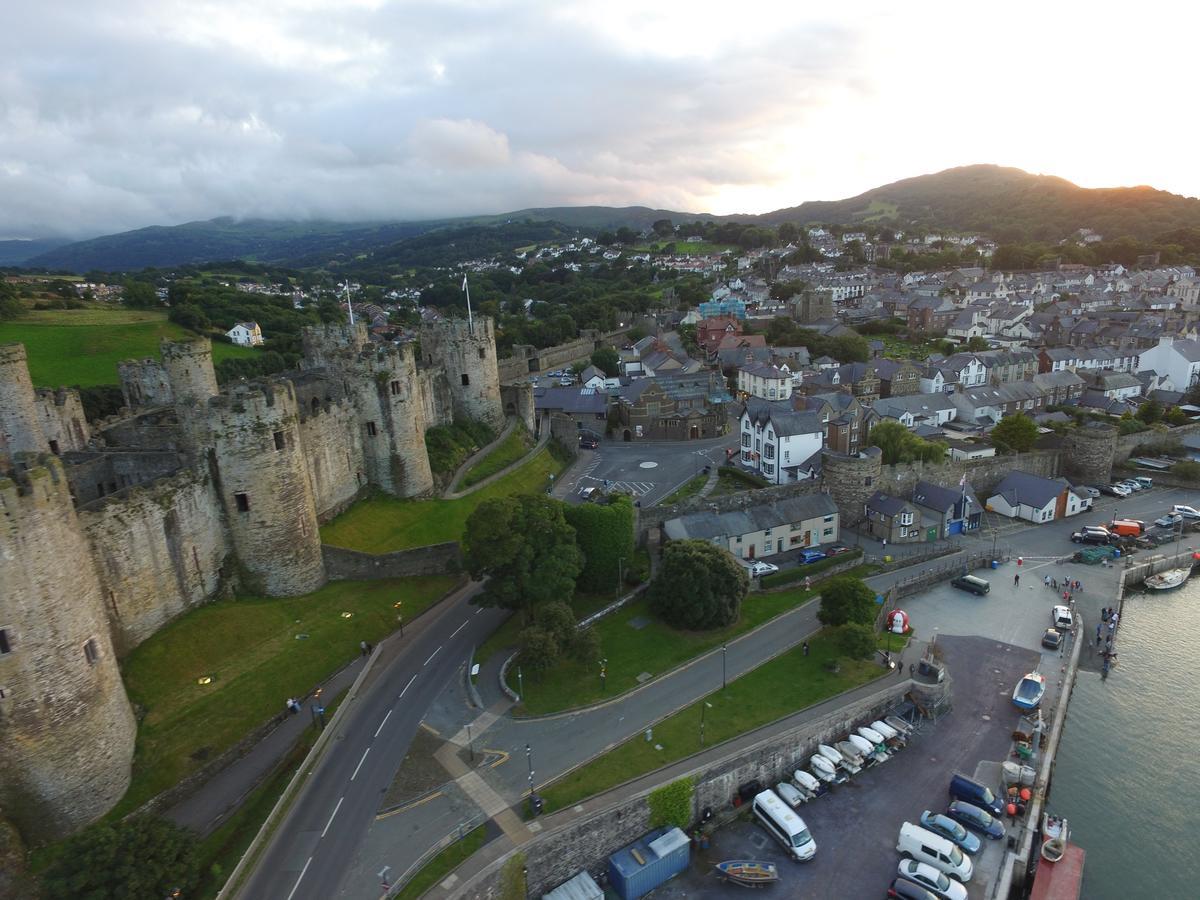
1062, 618
952, 831
964, 788
924, 846
908, 890
1168, 521
836, 549
1188, 512
1109, 490
1132, 486
757, 568
1089, 490
937, 883
1118, 490
590, 493
971, 583
1092, 536
976, 819
1052, 639
810, 555
1144, 481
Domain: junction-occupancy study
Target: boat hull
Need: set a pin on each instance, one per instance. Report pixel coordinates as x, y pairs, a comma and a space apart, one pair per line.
1168, 580
1029, 692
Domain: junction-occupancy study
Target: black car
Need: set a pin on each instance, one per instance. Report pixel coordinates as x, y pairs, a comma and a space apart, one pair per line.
836, 549
589, 443
1052, 639
1092, 537
904, 889
971, 583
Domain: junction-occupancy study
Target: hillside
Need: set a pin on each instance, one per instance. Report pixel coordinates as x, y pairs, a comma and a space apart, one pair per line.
17, 253
1008, 204
596, 218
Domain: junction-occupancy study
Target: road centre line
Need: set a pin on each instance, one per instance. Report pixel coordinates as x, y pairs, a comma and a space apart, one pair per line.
459, 628
406, 687
360, 762
384, 722
433, 654
292, 892
330, 822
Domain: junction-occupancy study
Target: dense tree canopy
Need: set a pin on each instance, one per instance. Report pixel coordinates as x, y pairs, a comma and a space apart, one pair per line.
607, 360
10, 305
900, 445
698, 586
1016, 432
845, 600
141, 857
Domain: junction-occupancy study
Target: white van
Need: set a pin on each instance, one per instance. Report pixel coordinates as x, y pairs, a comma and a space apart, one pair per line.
924, 846
785, 826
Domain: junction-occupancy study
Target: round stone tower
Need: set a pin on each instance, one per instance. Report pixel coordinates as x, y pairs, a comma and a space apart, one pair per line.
392, 418
851, 480
253, 435
1088, 452
190, 370
20, 429
66, 729
466, 352
323, 343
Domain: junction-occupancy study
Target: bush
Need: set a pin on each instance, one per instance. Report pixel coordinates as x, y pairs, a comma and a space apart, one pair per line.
604, 533
846, 600
671, 804
141, 857
807, 571
699, 586
855, 640
747, 478
1187, 469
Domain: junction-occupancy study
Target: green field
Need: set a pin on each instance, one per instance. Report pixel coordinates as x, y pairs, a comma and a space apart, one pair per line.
250, 650
383, 524
82, 347
503, 455
777, 688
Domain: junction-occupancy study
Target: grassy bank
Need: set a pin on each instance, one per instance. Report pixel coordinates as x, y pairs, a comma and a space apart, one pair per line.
686, 490
383, 524
784, 685
503, 455
250, 649
443, 864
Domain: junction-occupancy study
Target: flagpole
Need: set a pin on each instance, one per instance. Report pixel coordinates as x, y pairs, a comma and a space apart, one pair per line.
349, 305
470, 319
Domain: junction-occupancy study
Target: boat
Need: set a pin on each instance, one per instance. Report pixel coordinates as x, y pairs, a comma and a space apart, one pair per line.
805, 783
1165, 581
849, 753
903, 728
1029, 690
822, 768
868, 751
1055, 834
751, 872
791, 795
873, 736
891, 736
838, 760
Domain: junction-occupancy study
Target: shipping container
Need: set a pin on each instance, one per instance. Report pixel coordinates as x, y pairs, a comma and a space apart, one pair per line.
581, 887
648, 862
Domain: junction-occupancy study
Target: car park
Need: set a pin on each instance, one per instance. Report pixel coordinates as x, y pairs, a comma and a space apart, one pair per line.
972, 583
945, 827
784, 826
1132, 486
937, 883
1118, 490
1188, 512
904, 889
1111, 490
964, 788
978, 820
1062, 618
924, 846
1144, 481
1052, 639
1168, 521
1127, 527
810, 555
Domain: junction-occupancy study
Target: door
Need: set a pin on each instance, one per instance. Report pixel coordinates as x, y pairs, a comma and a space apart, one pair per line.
955, 527
750, 552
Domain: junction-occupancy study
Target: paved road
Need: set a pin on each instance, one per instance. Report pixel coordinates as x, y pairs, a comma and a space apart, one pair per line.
308, 854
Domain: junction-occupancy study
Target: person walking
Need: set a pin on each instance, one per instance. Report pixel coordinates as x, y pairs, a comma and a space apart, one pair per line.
1098, 629
1046, 581
362, 645
1017, 580
804, 648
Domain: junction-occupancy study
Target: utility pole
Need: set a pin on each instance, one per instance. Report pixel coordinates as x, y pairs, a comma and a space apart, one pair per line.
724, 653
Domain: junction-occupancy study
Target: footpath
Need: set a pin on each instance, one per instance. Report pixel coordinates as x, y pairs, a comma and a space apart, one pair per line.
450, 494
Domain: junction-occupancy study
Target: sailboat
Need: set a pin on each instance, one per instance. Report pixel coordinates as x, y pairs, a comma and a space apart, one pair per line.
1171, 578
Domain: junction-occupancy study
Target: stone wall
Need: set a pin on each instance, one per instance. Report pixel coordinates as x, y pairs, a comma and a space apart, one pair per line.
435, 559
20, 424
1127, 445
160, 550
144, 383
64, 423
1088, 452
983, 474
95, 474
526, 360
585, 842
467, 355
333, 454
157, 429
518, 403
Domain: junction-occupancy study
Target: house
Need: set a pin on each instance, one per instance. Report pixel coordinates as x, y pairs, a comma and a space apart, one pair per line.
1036, 499
710, 332
917, 409
1059, 387
897, 377
979, 406
847, 420
765, 382
1006, 366
857, 378
586, 407
1116, 385
957, 511
813, 305
777, 442
735, 350
673, 407
593, 378
245, 334
964, 369
763, 531
931, 314
893, 519
962, 451
1176, 358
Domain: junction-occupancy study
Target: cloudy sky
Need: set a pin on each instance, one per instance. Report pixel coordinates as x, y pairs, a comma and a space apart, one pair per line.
127, 113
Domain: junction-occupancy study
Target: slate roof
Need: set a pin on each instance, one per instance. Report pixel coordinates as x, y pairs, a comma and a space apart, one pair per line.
574, 400
886, 504
934, 496
709, 525
1031, 490
786, 421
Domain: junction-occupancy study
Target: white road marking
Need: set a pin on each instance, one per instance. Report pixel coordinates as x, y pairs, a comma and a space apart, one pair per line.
459, 628
406, 687
330, 822
360, 762
432, 655
478, 611
384, 722
298, 880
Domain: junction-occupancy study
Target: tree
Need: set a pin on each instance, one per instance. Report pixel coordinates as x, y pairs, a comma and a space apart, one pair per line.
1150, 412
846, 599
139, 294
663, 228
141, 857
1015, 433
855, 640
10, 303
699, 586
607, 360
976, 345
604, 534
899, 445
526, 548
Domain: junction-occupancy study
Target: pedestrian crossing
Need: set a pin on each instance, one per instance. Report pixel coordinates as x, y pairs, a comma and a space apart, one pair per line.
636, 488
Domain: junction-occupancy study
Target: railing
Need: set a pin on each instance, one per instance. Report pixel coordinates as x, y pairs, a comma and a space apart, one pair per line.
460, 832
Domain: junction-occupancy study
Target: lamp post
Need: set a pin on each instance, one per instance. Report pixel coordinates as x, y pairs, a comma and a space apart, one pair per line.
706, 705
520, 684
603, 674
529, 763
398, 605
724, 653
620, 574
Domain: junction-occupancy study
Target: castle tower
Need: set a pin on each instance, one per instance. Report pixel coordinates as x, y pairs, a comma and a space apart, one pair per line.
253, 434
20, 426
393, 420
467, 353
66, 729
190, 370
1088, 452
323, 343
851, 480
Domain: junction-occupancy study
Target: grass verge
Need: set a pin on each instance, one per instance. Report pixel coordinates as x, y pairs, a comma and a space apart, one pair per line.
382, 524
684, 491
505, 453
443, 864
777, 688
250, 650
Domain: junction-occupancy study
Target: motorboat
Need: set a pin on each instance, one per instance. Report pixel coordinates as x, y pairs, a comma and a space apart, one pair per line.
1055, 834
748, 871
791, 796
1029, 690
870, 754
850, 753
823, 768
806, 783
891, 736
873, 736
903, 728
1165, 581
837, 759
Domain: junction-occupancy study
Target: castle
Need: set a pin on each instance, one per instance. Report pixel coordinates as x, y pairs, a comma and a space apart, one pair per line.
110, 532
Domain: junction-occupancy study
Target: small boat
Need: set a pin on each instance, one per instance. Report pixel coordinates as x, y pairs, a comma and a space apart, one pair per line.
1055, 834
868, 749
823, 768
1165, 581
805, 782
1029, 690
850, 753
873, 736
838, 760
751, 872
891, 736
792, 796
903, 728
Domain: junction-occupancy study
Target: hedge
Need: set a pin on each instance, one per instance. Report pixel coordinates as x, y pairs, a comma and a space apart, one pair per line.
755, 481
789, 575
604, 532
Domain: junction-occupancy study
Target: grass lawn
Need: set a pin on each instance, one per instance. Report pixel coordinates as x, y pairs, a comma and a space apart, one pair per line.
82, 347
729, 484
443, 864
686, 490
250, 649
504, 454
775, 689
382, 524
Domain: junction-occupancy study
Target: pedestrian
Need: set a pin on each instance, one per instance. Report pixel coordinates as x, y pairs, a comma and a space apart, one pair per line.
1104, 614
1054, 584
1112, 625
804, 648
1017, 579
1114, 618
1046, 581
1097, 634
912, 668
293, 706
362, 645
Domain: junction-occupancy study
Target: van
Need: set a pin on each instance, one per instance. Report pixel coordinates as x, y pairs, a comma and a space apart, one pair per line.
922, 845
785, 826
963, 788
971, 583
590, 494
1144, 481
1126, 527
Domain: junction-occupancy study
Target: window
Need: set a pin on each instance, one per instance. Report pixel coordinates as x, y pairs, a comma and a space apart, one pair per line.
768, 546
5, 642
787, 455
745, 439
91, 651
482, 353
769, 451
371, 429
903, 532
828, 532
466, 379
54, 447
906, 518
768, 469
242, 501
395, 389
279, 443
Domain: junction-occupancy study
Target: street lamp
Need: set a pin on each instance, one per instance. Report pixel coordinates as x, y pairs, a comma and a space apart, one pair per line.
724, 653
529, 763
603, 674
398, 605
705, 706
520, 684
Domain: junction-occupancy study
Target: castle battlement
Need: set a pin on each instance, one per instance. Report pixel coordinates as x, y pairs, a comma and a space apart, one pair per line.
267, 398
32, 480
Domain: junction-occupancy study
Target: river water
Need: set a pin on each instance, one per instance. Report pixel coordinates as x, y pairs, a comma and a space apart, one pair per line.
1127, 775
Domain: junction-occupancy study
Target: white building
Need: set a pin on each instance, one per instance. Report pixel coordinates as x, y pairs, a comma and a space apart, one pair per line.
763, 531
777, 441
1174, 357
245, 334
765, 382
1036, 499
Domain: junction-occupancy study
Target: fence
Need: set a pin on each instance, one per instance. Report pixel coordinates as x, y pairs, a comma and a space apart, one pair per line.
460, 832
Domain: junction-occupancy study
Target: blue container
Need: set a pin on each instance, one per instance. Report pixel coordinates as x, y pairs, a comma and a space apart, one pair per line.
995, 563
648, 862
